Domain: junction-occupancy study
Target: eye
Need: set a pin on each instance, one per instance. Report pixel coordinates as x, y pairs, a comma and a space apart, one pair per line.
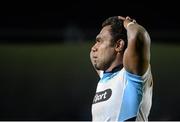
98, 40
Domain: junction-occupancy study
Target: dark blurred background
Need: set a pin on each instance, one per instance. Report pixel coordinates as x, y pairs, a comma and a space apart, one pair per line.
45, 71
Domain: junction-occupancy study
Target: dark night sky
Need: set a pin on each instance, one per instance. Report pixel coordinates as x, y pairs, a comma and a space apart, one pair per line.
85, 14
49, 14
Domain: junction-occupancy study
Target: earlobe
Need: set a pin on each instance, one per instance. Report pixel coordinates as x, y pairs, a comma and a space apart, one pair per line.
120, 45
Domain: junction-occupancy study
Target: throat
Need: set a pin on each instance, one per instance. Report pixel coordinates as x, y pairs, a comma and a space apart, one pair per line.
114, 69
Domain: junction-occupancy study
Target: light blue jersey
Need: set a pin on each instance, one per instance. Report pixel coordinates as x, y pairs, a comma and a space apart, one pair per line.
121, 95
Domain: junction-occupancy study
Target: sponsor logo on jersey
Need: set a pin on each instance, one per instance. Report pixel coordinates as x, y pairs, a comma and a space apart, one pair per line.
102, 96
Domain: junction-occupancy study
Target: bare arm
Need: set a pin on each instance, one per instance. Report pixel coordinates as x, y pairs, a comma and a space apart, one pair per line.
137, 55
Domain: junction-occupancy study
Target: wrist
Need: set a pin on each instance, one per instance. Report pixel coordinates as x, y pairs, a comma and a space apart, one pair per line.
130, 23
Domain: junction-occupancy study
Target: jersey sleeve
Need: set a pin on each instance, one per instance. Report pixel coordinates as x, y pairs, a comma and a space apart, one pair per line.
132, 96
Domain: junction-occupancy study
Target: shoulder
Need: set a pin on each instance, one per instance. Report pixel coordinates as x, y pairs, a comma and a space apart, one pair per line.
138, 78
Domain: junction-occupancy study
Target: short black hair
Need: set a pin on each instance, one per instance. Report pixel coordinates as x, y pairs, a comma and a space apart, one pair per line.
117, 28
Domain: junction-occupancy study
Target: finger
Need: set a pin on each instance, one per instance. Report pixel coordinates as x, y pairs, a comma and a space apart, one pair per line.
122, 18
128, 18
134, 20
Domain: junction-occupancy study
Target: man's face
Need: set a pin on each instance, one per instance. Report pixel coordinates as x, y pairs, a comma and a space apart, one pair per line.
103, 52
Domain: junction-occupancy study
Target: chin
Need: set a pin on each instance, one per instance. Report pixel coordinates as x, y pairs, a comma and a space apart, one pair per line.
99, 67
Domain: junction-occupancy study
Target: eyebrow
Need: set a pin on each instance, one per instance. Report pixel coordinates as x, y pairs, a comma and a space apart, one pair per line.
98, 39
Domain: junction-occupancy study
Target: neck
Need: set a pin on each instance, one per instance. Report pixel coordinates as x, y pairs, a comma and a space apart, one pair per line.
115, 69
118, 62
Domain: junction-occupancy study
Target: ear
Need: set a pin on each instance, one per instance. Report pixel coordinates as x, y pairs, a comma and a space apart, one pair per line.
119, 45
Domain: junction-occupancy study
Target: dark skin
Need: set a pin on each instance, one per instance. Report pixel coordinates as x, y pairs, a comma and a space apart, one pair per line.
137, 54
136, 57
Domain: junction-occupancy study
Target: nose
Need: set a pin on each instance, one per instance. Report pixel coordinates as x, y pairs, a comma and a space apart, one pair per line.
94, 48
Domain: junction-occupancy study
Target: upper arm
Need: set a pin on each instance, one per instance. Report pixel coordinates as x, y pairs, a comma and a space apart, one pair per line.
137, 54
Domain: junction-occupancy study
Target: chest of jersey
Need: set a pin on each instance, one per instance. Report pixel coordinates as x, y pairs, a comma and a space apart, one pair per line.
107, 100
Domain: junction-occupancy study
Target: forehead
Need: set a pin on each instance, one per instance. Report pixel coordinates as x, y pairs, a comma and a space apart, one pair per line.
105, 32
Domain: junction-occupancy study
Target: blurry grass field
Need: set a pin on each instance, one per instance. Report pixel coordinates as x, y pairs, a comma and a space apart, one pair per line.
74, 58
62, 73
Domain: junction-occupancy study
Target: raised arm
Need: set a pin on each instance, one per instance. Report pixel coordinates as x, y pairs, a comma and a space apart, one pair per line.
137, 54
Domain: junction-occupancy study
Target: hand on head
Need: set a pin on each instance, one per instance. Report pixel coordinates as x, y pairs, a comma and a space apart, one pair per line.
126, 20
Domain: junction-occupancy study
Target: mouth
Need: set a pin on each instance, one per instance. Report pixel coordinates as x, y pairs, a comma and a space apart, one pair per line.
94, 58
